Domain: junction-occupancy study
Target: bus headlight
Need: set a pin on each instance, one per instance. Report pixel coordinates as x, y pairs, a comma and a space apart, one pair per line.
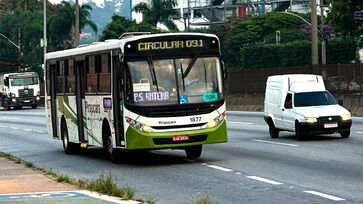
137, 125
346, 117
216, 121
311, 120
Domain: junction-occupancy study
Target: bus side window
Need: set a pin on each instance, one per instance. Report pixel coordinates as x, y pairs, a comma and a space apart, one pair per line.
91, 83
71, 83
105, 75
61, 77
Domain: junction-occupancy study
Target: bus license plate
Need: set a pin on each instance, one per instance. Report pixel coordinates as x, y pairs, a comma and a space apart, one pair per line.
330, 125
180, 138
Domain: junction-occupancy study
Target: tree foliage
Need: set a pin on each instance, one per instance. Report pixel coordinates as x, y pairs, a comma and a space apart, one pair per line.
342, 17
158, 11
120, 25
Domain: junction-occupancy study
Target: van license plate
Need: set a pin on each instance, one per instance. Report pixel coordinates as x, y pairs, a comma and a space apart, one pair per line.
330, 125
180, 138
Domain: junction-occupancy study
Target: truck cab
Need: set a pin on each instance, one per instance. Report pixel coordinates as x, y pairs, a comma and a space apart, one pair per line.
19, 89
300, 103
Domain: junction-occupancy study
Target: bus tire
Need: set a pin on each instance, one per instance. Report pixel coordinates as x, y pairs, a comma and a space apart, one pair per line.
193, 152
107, 143
68, 147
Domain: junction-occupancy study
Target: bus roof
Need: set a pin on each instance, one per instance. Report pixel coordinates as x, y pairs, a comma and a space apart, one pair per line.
113, 44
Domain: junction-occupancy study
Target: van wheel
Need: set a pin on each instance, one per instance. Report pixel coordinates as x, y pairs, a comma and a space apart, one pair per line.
193, 152
345, 134
274, 132
299, 133
68, 147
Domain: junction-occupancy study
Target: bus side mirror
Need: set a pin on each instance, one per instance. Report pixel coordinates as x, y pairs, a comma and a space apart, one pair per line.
223, 70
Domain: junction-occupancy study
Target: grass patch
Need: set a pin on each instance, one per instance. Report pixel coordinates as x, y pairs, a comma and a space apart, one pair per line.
205, 200
29, 164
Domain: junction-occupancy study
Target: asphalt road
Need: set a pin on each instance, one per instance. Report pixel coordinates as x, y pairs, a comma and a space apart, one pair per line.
250, 168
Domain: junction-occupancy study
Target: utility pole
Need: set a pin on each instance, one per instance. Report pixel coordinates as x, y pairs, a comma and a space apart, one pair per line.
323, 45
314, 34
188, 15
45, 34
77, 24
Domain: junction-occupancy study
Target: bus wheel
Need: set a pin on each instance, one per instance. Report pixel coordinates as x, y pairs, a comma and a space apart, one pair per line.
112, 153
193, 152
69, 147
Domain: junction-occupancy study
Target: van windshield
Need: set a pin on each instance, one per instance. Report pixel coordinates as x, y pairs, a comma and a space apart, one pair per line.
319, 98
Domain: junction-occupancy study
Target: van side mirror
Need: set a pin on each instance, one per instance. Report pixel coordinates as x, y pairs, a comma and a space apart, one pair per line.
340, 102
288, 104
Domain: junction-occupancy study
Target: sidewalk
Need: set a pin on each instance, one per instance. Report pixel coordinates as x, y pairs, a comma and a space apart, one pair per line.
19, 184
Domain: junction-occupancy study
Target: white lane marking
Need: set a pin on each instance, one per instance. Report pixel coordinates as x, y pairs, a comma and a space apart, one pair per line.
1, 126
28, 130
359, 132
41, 132
219, 168
325, 195
264, 180
9, 118
15, 128
238, 173
242, 123
278, 143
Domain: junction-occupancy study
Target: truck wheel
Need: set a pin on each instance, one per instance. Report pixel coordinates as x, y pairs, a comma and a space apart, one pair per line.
6, 105
69, 147
345, 134
274, 132
193, 152
299, 133
34, 106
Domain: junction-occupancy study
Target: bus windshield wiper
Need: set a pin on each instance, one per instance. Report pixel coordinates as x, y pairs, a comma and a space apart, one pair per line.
152, 72
191, 64
181, 67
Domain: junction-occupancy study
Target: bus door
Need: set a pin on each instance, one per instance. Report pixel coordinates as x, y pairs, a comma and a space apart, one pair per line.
52, 91
117, 99
80, 66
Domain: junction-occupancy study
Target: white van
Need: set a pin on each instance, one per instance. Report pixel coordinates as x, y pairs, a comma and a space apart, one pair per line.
300, 103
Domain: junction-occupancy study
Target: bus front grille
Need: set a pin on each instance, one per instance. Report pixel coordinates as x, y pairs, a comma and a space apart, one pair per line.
163, 141
26, 94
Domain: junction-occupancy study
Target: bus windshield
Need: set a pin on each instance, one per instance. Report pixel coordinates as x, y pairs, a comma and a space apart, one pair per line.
174, 81
319, 98
24, 81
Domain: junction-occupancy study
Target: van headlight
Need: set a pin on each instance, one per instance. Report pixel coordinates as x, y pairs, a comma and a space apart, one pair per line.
311, 120
346, 117
137, 125
216, 121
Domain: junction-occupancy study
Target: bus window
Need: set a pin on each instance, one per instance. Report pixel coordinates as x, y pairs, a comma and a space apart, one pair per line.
105, 75
71, 83
91, 76
61, 78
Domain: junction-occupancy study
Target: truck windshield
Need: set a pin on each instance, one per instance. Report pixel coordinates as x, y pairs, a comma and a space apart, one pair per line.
174, 81
320, 98
24, 81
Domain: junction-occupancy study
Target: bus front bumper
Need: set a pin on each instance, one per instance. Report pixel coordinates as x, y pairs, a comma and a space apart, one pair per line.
161, 140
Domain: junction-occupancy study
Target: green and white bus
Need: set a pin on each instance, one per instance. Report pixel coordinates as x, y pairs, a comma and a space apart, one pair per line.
139, 92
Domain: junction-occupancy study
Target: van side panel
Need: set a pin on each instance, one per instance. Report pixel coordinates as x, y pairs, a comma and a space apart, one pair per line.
273, 97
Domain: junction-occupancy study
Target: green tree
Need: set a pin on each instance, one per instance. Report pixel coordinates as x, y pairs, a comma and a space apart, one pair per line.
158, 11
62, 25
342, 17
120, 25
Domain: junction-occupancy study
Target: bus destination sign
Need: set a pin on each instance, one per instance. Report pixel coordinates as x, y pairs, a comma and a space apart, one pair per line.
168, 45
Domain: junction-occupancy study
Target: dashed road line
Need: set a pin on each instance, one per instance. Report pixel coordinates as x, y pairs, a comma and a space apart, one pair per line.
264, 180
359, 132
218, 168
15, 128
242, 123
1, 126
325, 195
278, 143
28, 130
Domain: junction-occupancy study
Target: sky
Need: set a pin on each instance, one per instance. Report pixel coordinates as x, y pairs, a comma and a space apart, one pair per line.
98, 2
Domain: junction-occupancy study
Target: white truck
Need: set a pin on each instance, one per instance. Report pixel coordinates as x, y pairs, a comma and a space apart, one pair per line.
19, 89
300, 103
